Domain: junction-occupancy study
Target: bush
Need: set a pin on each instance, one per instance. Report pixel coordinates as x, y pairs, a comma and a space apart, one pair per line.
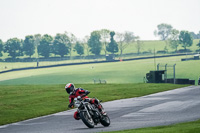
146, 52
161, 52
198, 50
183, 50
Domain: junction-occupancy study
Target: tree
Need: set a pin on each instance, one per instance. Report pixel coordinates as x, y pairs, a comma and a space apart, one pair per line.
174, 39
79, 48
185, 39
28, 45
195, 36
198, 44
1, 47
60, 45
94, 43
73, 40
120, 41
105, 34
129, 37
44, 48
139, 46
13, 47
37, 39
163, 30
85, 41
112, 46
198, 35
125, 39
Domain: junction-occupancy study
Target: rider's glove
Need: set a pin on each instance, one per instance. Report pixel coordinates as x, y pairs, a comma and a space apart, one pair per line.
71, 105
87, 92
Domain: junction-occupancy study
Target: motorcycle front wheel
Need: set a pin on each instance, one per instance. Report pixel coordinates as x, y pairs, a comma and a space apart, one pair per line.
87, 120
105, 121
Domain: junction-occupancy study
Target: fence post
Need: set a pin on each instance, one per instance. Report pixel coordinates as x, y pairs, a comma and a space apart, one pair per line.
165, 73
174, 74
158, 66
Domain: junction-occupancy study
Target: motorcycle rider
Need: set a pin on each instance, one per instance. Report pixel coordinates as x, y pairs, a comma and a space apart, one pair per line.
75, 92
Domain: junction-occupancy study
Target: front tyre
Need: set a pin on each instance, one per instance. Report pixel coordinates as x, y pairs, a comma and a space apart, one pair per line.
105, 121
86, 119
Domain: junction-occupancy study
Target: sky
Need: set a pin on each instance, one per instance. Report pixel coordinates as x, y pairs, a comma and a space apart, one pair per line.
19, 18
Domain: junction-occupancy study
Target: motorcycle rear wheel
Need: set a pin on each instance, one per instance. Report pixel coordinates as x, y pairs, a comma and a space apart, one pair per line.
86, 120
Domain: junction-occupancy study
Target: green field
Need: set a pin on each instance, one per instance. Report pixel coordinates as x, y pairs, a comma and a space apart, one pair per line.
189, 127
13, 65
147, 46
116, 72
20, 102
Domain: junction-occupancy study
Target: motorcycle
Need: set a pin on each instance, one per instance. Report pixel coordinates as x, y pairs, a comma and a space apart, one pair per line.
90, 114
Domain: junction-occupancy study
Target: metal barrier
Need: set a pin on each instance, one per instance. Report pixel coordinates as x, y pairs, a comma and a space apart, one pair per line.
99, 81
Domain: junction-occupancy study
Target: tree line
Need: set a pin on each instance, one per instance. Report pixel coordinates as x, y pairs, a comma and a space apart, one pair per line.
64, 43
174, 37
110, 42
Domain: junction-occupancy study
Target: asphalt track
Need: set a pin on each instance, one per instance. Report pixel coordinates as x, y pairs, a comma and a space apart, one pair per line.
165, 108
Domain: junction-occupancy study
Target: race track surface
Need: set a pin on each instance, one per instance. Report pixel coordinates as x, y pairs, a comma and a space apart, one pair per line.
165, 108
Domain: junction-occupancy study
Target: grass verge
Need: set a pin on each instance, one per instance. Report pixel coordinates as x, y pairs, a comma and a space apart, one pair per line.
20, 102
189, 127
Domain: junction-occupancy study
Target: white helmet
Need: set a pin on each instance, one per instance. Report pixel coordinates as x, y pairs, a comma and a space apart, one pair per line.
70, 88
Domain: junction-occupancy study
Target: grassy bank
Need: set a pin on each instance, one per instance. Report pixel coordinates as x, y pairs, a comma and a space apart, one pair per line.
20, 102
189, 127
116, 72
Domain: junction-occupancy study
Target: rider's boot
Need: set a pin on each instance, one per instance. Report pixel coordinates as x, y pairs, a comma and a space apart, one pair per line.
101, 109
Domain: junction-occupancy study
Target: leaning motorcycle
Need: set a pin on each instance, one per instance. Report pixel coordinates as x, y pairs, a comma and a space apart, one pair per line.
89, 113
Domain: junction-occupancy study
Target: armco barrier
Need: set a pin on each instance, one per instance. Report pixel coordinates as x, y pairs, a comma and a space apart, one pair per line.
57, 65
81, 63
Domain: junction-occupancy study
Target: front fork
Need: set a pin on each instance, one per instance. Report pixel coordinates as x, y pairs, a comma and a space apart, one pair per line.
86, 110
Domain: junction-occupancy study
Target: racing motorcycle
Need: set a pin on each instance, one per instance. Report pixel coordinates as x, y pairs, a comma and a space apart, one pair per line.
89, 113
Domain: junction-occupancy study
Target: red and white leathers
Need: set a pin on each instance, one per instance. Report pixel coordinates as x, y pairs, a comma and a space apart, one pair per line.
83, 93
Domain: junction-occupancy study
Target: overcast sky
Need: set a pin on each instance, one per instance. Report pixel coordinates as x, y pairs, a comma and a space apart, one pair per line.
19, 18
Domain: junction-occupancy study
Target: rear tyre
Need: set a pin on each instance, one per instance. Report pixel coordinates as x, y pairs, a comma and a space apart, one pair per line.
86, 119
105, 121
